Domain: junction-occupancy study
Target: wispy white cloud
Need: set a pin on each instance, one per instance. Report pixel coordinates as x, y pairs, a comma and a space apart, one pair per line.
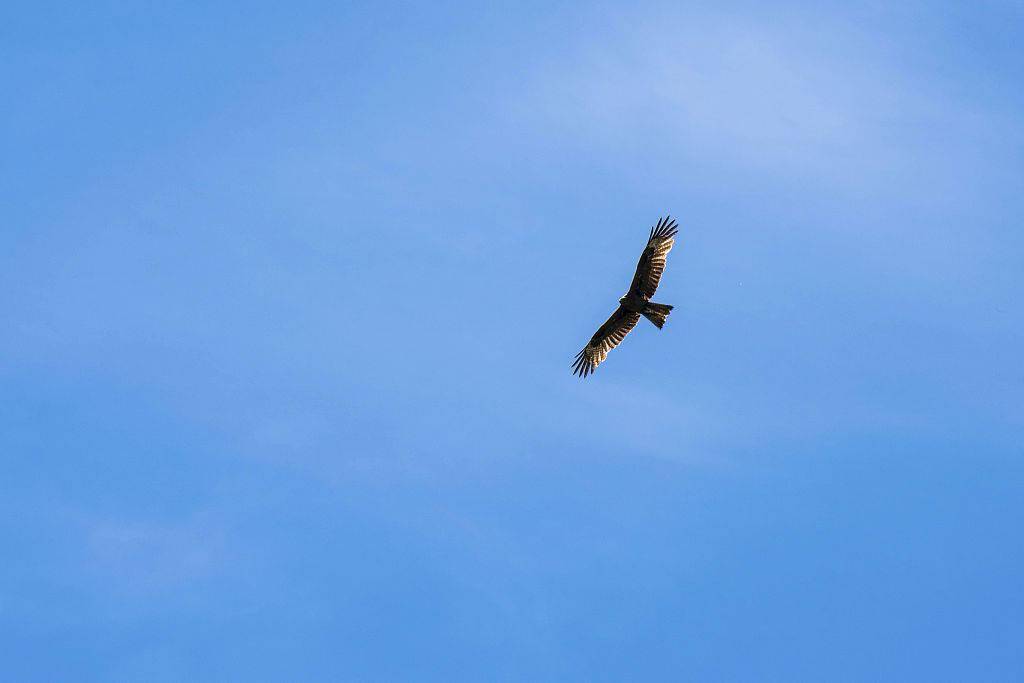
144, 557
784, 97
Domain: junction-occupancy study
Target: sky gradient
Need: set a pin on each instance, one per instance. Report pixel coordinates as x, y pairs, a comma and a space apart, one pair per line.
289, 297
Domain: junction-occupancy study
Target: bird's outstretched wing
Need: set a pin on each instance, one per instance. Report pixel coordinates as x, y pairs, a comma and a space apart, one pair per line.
652, 261
604, 340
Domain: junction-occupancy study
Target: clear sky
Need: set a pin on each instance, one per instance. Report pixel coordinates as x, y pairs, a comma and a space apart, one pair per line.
289, 295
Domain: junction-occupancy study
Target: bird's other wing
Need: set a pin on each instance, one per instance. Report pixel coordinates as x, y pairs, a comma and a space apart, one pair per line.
652, 261
604, 340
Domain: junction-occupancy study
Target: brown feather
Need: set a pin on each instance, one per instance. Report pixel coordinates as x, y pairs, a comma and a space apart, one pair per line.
607, 337
652, 261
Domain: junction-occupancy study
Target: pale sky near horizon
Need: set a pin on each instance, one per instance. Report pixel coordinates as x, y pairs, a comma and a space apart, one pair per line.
290, 294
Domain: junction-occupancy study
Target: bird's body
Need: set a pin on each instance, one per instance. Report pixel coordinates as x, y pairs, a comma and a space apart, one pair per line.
633, 304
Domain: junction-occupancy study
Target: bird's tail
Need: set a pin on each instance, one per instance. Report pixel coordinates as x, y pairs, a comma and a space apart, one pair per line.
657, 313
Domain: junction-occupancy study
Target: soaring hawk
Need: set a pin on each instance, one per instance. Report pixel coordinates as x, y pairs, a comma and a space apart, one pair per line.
636, 302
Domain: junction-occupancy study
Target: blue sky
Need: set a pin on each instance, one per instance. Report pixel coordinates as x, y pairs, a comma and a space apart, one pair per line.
290, 295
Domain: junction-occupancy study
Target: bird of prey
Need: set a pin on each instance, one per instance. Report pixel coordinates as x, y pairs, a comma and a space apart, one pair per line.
636, 302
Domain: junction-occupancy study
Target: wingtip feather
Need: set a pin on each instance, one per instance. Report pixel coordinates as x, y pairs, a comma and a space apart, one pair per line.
665, 228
